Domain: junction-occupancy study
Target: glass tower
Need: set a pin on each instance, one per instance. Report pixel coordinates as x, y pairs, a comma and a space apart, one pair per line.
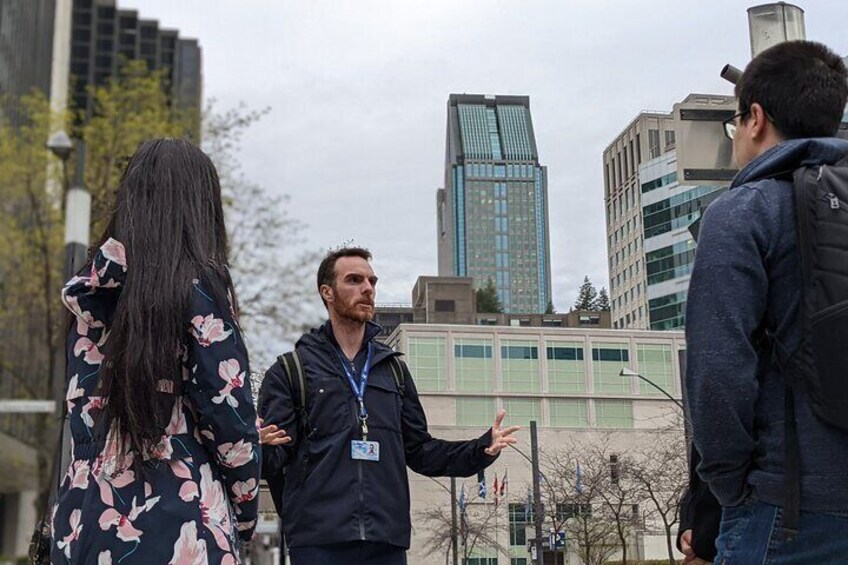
493, 211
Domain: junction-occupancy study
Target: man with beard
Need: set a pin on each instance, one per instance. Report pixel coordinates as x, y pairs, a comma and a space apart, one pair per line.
346, 494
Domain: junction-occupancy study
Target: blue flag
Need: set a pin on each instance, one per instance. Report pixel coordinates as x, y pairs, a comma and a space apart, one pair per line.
481, 479
462, 500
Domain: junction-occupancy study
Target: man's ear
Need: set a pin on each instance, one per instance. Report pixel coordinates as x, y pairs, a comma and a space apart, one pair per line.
758, 121
326, 292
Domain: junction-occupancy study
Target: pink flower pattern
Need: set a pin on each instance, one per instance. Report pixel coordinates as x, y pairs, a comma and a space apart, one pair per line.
101, 497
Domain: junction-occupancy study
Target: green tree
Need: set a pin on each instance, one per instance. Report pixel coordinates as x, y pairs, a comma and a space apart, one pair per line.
487, 299
586, 296
550, 308
602, 303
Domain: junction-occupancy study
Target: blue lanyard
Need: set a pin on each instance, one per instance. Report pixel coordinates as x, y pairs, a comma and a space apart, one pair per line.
358, 390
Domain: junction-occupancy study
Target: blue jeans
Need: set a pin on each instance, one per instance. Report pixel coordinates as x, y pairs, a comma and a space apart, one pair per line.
752, 534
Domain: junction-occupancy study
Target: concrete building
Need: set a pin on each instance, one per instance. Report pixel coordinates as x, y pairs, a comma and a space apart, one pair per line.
493, 209
452, 300
659, 175
567, 379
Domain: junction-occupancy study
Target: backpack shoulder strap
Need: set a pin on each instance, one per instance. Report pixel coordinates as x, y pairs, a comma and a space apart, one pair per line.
399, 374
293, 367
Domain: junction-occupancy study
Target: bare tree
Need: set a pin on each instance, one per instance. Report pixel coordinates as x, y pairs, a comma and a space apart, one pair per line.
573, 481
474, 529
660, 472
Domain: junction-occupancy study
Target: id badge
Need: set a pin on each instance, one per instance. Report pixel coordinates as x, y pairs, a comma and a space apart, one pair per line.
365, 450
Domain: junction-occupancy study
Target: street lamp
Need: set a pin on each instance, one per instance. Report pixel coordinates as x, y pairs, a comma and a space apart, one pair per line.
628, 372
61, 146
76, 201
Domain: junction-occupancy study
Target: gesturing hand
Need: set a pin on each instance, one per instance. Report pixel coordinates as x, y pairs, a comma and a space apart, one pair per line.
686, 547
501, 437
270, 435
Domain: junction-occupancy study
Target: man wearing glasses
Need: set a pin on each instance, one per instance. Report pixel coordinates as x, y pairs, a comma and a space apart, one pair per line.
745, 297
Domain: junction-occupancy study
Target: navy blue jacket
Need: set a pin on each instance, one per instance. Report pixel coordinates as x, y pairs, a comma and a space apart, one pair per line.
746, 273
329, 497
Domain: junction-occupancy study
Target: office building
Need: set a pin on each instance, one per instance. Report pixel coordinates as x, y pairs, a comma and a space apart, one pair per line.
493, 209
567, 380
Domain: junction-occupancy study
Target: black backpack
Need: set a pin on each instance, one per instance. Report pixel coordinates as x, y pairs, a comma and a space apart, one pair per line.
820, 363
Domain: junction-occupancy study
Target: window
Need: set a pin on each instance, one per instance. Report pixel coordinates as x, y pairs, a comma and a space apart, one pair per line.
568, 413
653, 143
566, 367
445, 306
519, 518
608, 360
519, 411
656, 364
480, 561
614, 413
427, 362
475, 411
520, 366
474, 367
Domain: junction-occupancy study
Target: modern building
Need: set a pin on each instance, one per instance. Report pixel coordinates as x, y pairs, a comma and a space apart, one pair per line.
104, 37
566, 379
452, 300
493, 209
660, 173
63, 47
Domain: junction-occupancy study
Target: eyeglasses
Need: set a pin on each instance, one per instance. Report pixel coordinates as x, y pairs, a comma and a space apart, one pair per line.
730, 124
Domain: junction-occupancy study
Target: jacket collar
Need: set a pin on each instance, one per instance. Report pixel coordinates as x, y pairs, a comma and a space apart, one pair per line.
787, 156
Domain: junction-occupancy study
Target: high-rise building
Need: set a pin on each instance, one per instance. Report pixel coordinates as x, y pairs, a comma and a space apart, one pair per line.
493, 209
63, 47
104, 37
659, 175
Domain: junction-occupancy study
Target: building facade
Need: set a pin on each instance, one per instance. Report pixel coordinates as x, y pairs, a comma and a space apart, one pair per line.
493, 209
567, 380
654, 192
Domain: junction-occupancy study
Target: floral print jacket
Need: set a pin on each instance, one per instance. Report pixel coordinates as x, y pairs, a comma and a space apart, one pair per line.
196, 491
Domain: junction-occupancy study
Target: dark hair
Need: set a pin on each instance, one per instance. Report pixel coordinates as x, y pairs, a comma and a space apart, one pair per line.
169, 217
327, 269
802, 85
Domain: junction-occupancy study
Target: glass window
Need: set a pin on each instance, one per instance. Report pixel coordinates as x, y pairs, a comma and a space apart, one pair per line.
475, 411
474, 367
655, 364
566, 367
520, 366
519, 411
568, 413
518, 521
614, 413
427, 362
608, 360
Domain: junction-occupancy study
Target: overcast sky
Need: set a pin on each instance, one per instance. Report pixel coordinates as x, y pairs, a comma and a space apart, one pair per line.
358, 94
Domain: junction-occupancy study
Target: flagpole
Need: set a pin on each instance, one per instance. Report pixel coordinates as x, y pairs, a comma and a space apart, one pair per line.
454, 532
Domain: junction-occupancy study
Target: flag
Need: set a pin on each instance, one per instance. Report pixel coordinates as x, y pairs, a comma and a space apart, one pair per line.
481, 479
578, 483
528, 508
462, 500
495, 488
504, 482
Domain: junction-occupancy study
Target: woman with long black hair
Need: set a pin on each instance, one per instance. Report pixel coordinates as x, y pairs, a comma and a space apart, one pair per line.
165, 464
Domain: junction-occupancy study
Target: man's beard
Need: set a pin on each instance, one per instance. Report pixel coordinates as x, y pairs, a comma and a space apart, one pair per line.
354, 313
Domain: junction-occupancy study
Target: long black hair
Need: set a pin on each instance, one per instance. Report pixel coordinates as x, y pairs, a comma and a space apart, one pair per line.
169, 217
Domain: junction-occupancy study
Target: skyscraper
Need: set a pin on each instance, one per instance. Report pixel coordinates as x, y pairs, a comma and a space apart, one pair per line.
493, 209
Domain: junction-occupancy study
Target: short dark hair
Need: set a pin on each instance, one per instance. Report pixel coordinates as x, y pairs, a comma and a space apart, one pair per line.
327, 269
802, 85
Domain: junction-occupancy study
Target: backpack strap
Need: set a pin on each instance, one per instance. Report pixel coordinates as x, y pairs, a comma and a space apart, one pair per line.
399, 375
290, 362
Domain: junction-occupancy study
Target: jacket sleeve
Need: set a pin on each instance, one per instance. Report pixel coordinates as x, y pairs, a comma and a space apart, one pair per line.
219, 389
277, 407
91, 296
433, 457
699, 512
726, 303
